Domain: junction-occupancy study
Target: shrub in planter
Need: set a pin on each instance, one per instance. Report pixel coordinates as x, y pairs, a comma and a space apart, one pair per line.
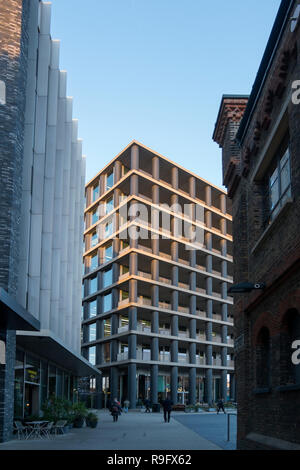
91, 420
79, 413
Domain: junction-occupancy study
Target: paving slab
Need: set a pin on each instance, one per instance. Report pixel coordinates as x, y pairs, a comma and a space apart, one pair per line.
133, 431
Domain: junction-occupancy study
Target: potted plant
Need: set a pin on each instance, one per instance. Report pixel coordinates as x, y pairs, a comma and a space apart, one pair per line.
91, 420
198, 407
79, 413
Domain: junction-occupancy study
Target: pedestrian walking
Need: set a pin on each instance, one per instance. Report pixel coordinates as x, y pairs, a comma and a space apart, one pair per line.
116, 410
126, 405
167, 406
220, 405
147, 405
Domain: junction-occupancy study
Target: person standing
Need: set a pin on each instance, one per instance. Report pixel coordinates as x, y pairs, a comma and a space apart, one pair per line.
220, 405
147, 405
116, 410
126, 405
167, 406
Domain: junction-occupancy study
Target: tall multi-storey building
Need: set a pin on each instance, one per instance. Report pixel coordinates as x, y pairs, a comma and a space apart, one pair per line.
157, 265
260, 143
42, 175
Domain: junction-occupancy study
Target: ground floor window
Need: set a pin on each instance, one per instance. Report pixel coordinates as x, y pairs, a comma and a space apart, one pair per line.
37, 380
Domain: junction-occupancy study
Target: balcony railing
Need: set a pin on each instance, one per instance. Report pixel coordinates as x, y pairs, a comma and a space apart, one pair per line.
183, 359
122, 356
183, 334
200, 361
122, 329
143, 328
217, 339
164, 357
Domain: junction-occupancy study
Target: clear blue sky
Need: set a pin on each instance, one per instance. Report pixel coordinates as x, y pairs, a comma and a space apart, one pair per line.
155, 71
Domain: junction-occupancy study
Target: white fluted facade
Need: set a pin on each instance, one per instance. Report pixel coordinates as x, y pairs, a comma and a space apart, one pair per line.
52, 192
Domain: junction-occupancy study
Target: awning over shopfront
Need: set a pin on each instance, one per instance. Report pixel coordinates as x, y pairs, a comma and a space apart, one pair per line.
45, 343
13, 316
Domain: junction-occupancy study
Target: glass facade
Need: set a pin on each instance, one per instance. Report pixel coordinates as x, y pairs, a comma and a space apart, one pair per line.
35, 381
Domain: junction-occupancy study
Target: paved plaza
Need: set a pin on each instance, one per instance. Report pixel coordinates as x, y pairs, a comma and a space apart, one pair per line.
138, 431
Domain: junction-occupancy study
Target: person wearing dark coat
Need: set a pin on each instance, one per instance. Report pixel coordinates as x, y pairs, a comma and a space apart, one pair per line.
167, 406
116, 409
220, 406
147, 405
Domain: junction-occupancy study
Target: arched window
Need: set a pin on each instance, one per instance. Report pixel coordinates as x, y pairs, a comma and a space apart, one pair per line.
263, 359
290, 332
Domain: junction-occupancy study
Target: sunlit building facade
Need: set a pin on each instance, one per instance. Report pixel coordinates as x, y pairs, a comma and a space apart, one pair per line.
156, 316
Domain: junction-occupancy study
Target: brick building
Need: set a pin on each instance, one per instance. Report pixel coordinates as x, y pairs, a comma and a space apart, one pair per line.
260, 140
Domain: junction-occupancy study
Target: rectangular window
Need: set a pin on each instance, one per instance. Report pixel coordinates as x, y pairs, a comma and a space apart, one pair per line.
107, 327
32, 369
124, 295
94, 261
107, 302
109, 180
92, 308
92, 332
279, 182
108, 229
92, 355
94, 239
95, 193
18, 390
95, 216
93, 285
109, 206
124, 270
108, 253
107, 278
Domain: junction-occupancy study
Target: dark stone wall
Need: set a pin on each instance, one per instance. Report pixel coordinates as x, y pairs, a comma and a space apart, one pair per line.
13, 71
14, 16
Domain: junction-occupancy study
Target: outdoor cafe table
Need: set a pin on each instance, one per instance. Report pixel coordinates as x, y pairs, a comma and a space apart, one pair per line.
35, 428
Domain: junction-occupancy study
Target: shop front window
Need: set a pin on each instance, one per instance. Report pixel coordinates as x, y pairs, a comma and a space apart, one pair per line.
32, 369
19, 385
52, 381
44, 382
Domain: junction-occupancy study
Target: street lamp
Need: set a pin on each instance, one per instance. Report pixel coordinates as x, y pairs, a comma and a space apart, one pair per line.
245, 287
